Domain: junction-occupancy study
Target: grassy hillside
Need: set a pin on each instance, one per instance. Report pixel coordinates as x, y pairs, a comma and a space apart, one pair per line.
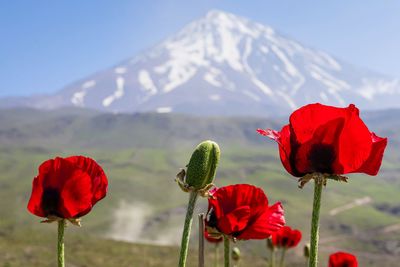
141, 154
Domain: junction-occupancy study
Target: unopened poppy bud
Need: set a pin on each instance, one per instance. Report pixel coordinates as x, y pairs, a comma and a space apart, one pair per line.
203, 165
235, 254
307, 251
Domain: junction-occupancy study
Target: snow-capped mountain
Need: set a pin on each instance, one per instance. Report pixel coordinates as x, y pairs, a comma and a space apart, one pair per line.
225, 64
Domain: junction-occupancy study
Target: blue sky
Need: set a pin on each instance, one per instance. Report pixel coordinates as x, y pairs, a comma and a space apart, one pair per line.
47, 44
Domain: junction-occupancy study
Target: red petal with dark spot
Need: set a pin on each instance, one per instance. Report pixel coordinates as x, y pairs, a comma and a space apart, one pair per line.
328, 139
67, 187
342, 259
286, 237
242, 211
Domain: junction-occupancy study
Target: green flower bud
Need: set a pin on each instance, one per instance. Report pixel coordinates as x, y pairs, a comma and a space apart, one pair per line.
235, 254
307, 251
203, 165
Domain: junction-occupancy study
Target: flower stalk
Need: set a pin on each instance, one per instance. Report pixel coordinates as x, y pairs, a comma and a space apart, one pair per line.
60, 244
186, 229
282, 262
201, 240
313, 262
272, 259
216, 255
306, 252
227, 252
196, 180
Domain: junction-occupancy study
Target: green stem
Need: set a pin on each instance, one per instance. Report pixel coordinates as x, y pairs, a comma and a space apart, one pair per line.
186, 229
315, 224
60, 244
201, 240
227, 252
216, 259
272, 259
282, 262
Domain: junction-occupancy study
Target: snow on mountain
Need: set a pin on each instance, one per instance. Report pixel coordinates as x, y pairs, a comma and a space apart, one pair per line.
226, 64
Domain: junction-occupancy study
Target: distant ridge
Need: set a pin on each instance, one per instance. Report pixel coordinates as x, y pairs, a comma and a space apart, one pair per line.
223, 64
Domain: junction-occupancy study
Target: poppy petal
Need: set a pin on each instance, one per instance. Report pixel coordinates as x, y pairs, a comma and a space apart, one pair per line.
308, 119
286, 237
242, 211
342, 259
55, 172
328, 139
34, 204
355, 143
99, 179
76, 195
296, 237
234, 221
233, 196
274, 135
67, 187
340, 128
373, 163
268, 222
319, 154
285, 149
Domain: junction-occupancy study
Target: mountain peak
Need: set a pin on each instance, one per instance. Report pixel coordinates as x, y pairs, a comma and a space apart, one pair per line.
226, 64
230, 21
219, 15
214, 13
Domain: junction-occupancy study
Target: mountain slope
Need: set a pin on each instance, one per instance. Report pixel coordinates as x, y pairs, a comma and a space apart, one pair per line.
225, 64
141, 154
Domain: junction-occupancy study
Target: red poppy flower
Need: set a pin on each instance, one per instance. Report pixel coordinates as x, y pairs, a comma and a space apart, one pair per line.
67, 187
242, 211
328, 139
212, 239
342, 259
286, 237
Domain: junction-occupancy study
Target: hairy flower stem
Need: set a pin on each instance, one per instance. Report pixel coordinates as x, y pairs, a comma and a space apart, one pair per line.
201, 240
272, 259
315, 224
186, 229
227, 252
216, 254
282, 262
60, 245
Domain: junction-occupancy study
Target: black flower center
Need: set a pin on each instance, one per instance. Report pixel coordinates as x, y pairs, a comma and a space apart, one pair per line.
50, 201
321, 157
212, 219
285, 241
